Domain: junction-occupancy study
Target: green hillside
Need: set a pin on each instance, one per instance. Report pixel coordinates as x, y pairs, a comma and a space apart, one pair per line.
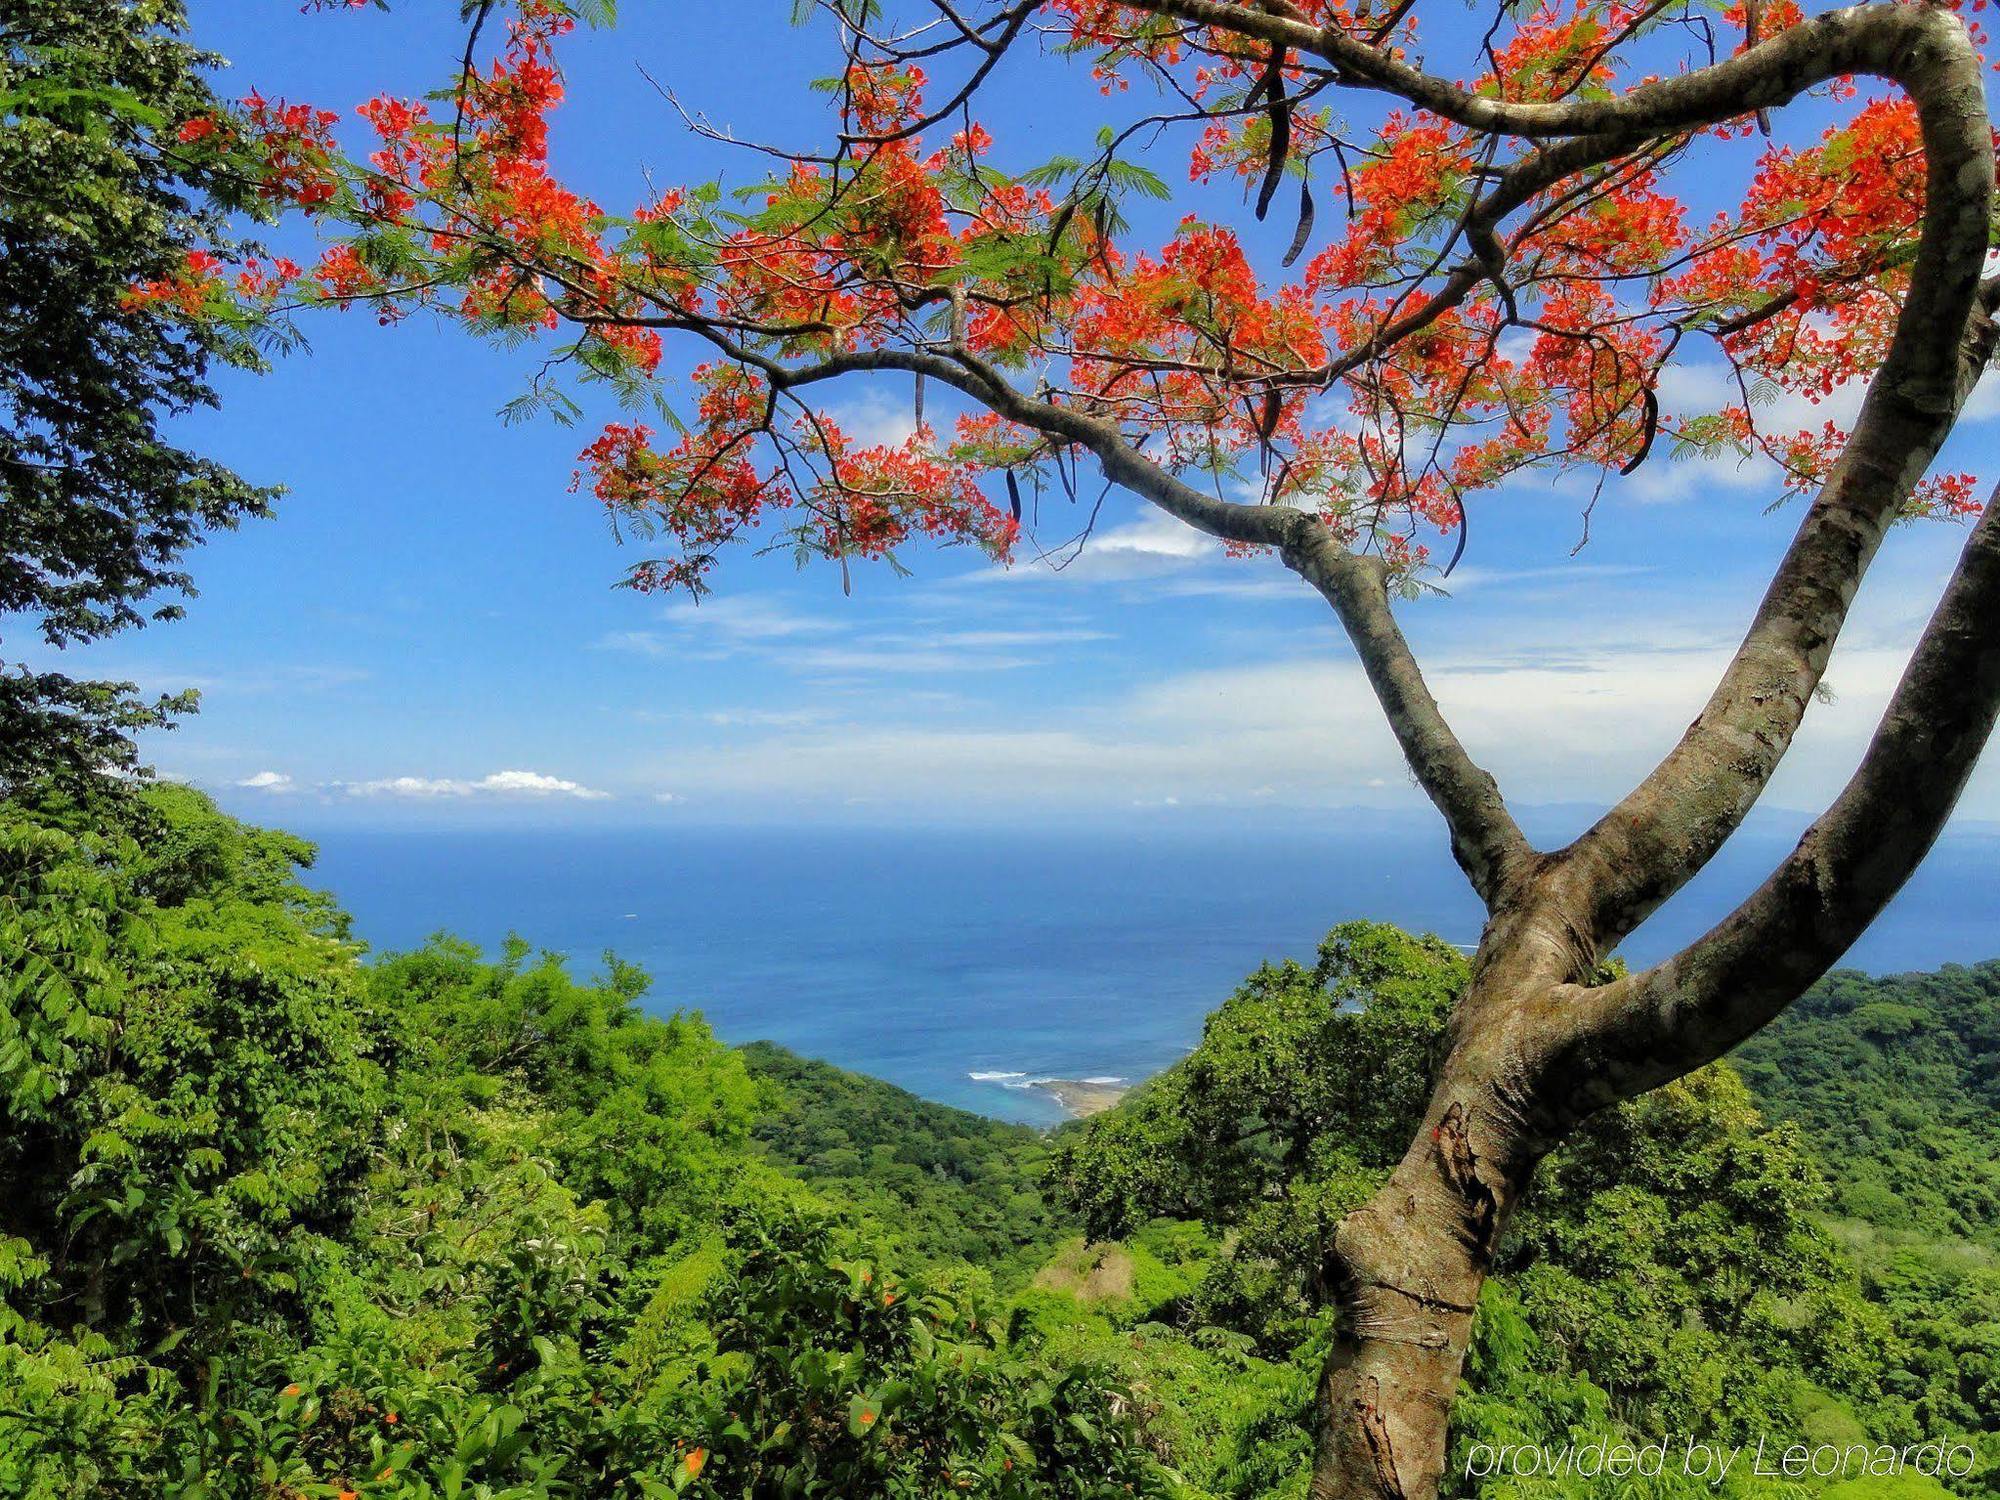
944, 1183
287, 1222
1897, 1080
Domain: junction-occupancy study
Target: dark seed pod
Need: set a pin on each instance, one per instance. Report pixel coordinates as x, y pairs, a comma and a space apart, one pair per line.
1464, 526
1281, 131
1061, 223
1652, 430
1305, 229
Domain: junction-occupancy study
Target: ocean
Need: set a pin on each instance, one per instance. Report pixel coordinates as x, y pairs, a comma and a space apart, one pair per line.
961, 965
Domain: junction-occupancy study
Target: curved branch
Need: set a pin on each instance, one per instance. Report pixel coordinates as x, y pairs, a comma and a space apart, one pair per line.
1668, 827
1014, 19
1486, 841
1860, 39
1651, 1027
1225, 520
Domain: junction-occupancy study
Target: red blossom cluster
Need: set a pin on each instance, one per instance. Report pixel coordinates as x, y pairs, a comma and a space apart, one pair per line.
1406, 365
187, 290
854, 501
294, 145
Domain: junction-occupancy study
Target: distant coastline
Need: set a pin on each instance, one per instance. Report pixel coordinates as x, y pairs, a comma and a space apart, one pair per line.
1082, 1097
959, 951
1076, 1097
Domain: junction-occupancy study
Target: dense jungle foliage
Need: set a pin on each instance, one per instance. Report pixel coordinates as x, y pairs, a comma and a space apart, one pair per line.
282, 1219
946, 1184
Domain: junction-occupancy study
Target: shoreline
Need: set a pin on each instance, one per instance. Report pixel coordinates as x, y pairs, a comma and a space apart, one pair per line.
1080, 1098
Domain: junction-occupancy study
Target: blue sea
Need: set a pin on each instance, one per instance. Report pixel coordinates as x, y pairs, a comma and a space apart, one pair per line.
961, 965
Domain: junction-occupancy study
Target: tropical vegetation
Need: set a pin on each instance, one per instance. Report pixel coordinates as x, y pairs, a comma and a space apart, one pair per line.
285, 1218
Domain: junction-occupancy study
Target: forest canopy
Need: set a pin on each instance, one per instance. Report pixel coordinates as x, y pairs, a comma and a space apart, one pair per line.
286, 1218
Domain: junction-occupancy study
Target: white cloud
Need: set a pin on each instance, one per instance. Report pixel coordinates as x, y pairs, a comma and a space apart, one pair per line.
937, 651
639, 642
1475, 577
765, 718
534, 784
1984, 402
714, 629
1666, 480
874, 418
1584, 723
405, 786
1156, 535
747, 617
268, 781
1693, 389
867, 658
1238, 582
497, 784
1153, 544
764, 628
977, 639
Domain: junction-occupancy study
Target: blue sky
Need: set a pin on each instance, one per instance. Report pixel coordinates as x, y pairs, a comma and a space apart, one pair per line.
427, 632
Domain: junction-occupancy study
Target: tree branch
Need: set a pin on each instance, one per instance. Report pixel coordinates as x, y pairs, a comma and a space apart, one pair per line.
1229, 521
1651, 1027
1861, 39
1669, 826
1485, 839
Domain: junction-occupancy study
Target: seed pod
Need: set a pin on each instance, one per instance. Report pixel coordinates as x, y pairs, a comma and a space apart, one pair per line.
1281, 130
1652, 430
1305, 229
1061, 223
1464, 526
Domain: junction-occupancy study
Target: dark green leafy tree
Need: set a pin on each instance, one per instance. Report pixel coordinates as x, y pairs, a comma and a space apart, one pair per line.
97, 504
1288, 1111
837, 1379
183, 1086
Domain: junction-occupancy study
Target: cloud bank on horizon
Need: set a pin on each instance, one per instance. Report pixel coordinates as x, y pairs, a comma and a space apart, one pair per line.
1150, 677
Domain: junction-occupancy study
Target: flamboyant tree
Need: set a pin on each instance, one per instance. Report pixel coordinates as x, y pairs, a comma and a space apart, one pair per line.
1492, 264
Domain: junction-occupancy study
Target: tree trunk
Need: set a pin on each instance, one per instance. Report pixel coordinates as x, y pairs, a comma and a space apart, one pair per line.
1405, 1322
1405, 1269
